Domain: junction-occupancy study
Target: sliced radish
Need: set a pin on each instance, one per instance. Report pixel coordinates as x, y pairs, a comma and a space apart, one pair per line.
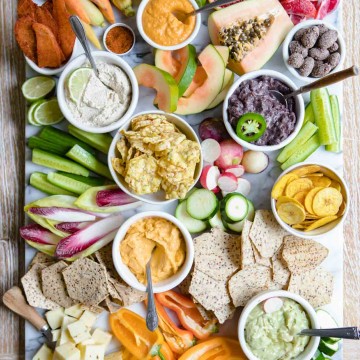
255, 162
216, 190
211, 150
209, 177
243, 187
71, 227
273, 304
113, 197
231, 154
62, 214
237, 170
227, 182
37, 234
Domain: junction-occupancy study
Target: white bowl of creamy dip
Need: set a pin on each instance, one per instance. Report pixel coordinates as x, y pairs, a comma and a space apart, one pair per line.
106, 101
262, 331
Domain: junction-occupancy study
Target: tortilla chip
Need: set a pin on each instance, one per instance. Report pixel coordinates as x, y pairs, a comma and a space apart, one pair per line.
41, 258
25, 37
280, 272
53, 285
48, 50
259, 259
224, 313
316, 286
266, 234
247, 254
26, 8
217, 254
86, 281
43, 16
128, 294
248, 282
302, 255
31, 283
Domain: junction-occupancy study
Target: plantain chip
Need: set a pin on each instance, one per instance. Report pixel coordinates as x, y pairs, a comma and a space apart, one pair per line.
300, 196
342, 209
323, 181
291, 213
296, 186
321, 222
336, 185
279, 187
285, 199
317, 174
305, 170
312, 217
309, 199
327, 202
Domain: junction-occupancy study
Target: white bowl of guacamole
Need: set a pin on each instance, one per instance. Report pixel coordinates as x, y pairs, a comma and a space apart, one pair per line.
271, 334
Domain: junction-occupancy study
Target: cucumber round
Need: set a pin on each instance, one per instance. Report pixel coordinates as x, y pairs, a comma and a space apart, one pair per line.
251, 210
237, 227
202, 204
193, 225
216, 221
234, 208
328, 349
188, 194
327, 322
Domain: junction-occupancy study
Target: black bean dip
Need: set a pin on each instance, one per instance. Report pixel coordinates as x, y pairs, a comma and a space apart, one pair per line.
254, 96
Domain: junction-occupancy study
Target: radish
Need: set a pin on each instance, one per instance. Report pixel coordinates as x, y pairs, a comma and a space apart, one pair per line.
72, 245
231, 154
237, 170
113, 197
213, 128
209, 177
255, 162
243, 187
37, 234
71, 227
273, 304
211, 150
62, 214
227, 182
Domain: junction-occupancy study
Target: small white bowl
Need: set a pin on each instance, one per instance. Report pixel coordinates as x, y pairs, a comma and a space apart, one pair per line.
79, 62
323, 229
306, 24
126, 274
313, 344
139, 16
158, 197
299, 110
118, 25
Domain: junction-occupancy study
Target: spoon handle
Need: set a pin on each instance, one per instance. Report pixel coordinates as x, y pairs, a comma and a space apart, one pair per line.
80, 34
152, 320
352, 333
211, 6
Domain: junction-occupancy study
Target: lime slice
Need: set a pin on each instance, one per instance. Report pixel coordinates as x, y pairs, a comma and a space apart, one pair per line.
30, 113
37, 87
77, 82
48, 113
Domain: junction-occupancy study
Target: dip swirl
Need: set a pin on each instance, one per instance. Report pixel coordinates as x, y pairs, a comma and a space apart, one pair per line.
273, 336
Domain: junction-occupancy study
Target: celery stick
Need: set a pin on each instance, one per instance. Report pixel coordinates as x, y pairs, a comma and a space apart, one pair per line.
39, 181
309, 114
303, 152
306, 132
323, 116
337, 146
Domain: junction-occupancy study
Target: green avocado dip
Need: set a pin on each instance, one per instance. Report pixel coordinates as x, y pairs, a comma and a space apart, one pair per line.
272, 336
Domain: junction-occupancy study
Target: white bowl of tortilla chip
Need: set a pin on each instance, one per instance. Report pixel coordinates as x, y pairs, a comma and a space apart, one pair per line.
164, 285
313, 344
159, 196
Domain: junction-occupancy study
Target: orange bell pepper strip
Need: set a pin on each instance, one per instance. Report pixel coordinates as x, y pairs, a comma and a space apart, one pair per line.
188, 314
130, 329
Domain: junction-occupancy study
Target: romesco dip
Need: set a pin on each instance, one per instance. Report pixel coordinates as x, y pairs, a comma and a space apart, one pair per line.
161, 25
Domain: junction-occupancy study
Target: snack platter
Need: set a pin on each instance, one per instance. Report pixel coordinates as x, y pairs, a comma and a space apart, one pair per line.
261, 184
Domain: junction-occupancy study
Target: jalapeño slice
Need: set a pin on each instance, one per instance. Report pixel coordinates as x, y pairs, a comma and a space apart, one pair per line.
250, 127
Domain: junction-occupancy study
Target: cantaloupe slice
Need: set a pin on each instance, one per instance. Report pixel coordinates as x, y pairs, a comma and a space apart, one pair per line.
228, 81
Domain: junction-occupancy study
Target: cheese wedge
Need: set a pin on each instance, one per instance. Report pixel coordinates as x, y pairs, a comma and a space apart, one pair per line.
74, 311
67, 351
44, 353
88, 318
79, 331
55, 318
101, 337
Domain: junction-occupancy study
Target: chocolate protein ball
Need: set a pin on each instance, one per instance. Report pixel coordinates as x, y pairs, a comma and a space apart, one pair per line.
310, 36
296, 47
307, 67
320, 70
334, 59
318, 53
334, 47
295, 60
327, 39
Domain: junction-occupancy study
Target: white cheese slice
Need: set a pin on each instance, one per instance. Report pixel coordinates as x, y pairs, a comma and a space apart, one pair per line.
79, 331
94, 352
101, 337
55, 317
64, 334
67, 351
44, 353
88, 318
56, 334
74, 311
114, 356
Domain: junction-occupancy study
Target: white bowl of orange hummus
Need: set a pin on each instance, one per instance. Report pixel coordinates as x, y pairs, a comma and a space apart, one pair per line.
156, 234
161, 29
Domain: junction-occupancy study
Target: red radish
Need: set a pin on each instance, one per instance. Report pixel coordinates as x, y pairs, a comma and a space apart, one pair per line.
209, 177
243, 187
231, 154
216, 190
80, 241
255, 162
62, 214
71, 227
213, 128
273, 304
211, 150
227, 182
37, 234
237, 170
205, 163
113, 197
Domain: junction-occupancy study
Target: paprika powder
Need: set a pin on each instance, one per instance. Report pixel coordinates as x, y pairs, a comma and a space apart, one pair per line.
119, 39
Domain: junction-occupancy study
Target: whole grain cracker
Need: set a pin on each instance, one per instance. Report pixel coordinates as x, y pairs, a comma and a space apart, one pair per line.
260, 260
127, 294
225, 312
41, 258
280, 271
247, 254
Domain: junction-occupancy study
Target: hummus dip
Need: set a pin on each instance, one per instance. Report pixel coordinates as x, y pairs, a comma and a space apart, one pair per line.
104, 99
272, 336
162, 27
158, 237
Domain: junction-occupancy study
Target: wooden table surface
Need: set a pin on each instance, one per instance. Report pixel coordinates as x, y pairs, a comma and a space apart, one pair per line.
12, 144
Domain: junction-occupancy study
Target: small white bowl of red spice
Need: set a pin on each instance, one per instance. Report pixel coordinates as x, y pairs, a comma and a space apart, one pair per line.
119, 39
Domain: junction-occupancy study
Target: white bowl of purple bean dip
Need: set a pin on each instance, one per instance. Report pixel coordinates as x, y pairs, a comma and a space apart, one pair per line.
251, 94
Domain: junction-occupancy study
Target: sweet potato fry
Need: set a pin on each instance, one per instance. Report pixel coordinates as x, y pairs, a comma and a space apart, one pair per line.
43, 16
66, 34
25, 36
48, 50
26, 8
48, 5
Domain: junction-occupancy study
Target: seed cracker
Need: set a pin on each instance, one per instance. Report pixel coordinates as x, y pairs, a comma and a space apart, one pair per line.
247, 254
260, 260
280, 271
41, 258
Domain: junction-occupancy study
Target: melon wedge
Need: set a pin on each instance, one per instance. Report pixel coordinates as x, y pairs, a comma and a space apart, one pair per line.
228, 81
224, 52
247, 10
201, 98
198, 79
165, 85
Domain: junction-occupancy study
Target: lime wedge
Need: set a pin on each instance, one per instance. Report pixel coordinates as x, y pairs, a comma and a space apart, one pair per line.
77, 82
30, 113
48, 113
37, 88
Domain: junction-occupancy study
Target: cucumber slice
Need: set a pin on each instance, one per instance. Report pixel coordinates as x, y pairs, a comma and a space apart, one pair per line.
318, 356
234, 208
67, 183
39, 143
188, 194
309, 114
56, 162
216, 221
307, 131
202, 204
100, 142
39, 181
251, 210
81, 156
328, 349
193, 225
91, 180
327, 322
323, 116
236, 227
335, 109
